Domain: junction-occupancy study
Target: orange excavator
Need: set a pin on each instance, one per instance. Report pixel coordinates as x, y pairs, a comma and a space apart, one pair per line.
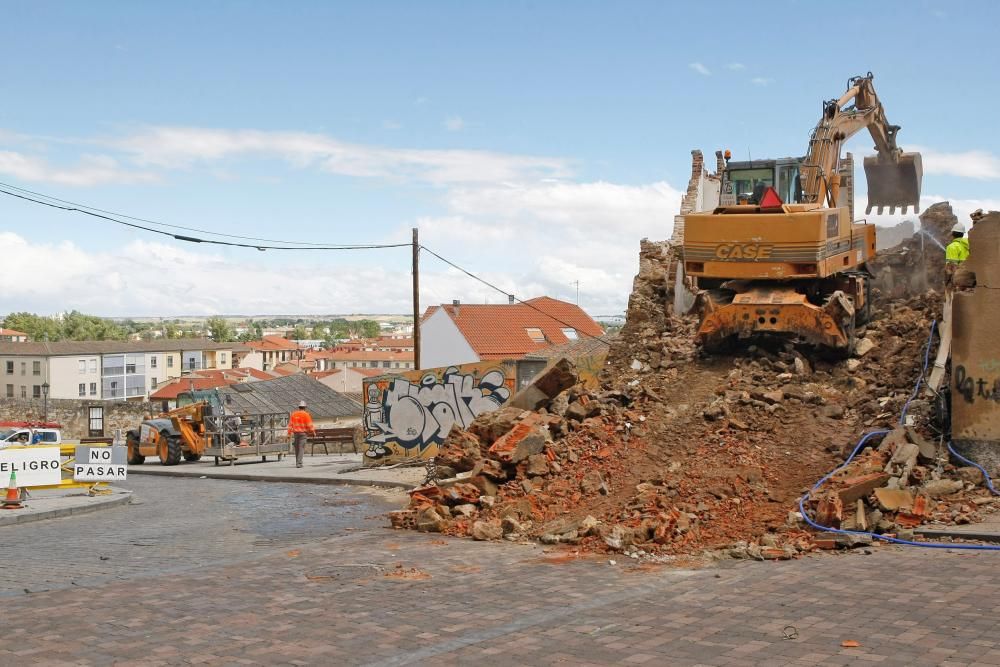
782, 254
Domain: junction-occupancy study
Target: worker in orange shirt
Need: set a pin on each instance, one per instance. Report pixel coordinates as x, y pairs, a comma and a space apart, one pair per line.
299, 424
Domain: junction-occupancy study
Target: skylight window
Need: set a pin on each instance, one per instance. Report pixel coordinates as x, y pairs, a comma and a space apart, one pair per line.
570, 333
535, 334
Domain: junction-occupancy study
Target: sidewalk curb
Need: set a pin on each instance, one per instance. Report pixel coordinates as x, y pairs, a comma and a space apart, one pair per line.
12, 518
288, 479
959, 534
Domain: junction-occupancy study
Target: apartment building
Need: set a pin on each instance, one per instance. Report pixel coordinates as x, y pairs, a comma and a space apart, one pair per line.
273, 350
386, 360
104, 370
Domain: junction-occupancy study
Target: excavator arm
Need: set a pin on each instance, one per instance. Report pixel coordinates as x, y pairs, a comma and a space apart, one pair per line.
893, 176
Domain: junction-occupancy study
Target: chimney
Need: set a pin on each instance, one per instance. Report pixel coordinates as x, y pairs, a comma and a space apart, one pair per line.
456, 305
510, 299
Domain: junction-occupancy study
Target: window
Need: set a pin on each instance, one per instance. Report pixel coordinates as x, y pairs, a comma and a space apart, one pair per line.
93, 389
170, 361
83, 389
10, 368
130, 369
24, 368
152, 362
386, 364
36, 368
96, 422
535, 334
222, 357
82, 364
24, 391
152, 383
10, 391
93, 365
570, 333
36, 391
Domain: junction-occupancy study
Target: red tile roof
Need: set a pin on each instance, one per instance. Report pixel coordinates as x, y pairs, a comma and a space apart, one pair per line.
269, 343
211, 379
498, 331
11, 332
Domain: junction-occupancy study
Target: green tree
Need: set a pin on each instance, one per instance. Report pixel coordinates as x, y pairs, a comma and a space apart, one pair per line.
170, 330
298, 333
219, 329
370, 329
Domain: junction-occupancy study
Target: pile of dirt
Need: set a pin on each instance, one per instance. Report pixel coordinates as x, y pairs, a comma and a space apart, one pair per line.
681, 453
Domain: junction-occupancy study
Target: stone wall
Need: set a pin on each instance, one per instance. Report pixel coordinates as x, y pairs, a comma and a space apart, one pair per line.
73, 414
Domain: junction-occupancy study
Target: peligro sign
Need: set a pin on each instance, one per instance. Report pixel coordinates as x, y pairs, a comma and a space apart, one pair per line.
34, 466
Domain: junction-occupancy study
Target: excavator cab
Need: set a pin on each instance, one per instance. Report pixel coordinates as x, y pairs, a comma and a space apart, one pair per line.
894, 183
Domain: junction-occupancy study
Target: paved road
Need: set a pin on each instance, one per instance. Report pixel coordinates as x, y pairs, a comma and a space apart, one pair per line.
252, 583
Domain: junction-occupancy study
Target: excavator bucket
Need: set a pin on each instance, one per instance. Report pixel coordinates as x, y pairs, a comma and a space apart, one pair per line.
893, 184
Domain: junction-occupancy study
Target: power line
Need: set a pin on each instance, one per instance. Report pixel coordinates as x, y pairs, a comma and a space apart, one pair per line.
504, 292
78, 205
72, 207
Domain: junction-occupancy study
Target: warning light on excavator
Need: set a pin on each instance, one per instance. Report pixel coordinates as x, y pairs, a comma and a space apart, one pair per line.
770, 199
728, 154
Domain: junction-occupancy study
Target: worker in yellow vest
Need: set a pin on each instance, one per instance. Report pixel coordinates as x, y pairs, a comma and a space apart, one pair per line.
958, 250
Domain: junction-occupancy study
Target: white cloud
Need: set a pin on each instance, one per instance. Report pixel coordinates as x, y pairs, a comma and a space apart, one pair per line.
538, 238
91, 170
184, 147
527, 239
761, 81
700, 69
454, 123
736, 67
977, 164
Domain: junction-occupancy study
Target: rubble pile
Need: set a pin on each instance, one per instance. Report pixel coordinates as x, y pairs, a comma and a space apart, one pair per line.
679, 453
896, 485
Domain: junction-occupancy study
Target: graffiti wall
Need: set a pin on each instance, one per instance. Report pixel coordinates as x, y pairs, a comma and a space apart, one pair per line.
409, 415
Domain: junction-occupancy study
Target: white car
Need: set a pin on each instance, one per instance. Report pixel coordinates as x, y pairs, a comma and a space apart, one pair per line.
29, 436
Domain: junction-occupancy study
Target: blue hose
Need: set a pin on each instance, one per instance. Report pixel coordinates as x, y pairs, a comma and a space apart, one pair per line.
860, 446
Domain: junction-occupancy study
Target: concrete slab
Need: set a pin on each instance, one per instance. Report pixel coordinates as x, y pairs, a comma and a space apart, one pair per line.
319, 469
51, 504
987, 531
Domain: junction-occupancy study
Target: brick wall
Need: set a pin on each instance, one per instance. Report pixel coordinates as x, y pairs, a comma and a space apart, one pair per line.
73, 414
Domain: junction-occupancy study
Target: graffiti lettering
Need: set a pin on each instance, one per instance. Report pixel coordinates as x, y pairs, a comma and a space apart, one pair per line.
970, 388
414, 417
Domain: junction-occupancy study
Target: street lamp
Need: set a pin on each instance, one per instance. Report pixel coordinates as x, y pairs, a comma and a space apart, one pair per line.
45, 397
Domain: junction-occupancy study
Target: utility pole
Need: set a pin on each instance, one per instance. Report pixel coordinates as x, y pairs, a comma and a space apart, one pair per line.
416, 300
577, 283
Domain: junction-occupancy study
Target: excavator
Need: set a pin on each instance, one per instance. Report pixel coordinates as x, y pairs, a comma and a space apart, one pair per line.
782, 255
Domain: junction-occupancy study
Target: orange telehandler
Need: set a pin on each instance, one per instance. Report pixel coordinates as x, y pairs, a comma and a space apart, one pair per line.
781, 254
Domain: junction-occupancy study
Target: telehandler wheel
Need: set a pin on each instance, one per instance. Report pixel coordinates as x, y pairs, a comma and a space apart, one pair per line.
134, 457
191, 456
169, 449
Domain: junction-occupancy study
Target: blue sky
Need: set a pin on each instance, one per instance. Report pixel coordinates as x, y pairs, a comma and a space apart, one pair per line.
533, 142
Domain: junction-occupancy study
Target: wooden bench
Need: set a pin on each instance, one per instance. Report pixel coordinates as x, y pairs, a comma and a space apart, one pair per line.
333, 436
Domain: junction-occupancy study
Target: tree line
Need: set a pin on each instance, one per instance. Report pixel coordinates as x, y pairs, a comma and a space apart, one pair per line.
75, 325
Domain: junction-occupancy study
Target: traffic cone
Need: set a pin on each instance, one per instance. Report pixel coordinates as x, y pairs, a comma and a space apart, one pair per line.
13, 499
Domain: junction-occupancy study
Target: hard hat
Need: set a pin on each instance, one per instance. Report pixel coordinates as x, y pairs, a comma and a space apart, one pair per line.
302, 404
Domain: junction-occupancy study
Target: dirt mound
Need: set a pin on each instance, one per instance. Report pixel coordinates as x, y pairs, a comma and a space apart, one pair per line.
679, 453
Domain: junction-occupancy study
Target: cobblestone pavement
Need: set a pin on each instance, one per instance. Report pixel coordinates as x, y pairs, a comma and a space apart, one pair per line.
250, 583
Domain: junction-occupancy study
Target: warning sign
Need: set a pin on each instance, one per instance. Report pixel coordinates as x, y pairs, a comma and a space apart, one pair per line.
100, 464
35, 466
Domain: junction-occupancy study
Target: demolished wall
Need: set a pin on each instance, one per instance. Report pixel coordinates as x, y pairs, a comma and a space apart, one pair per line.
975, 375
916, 264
